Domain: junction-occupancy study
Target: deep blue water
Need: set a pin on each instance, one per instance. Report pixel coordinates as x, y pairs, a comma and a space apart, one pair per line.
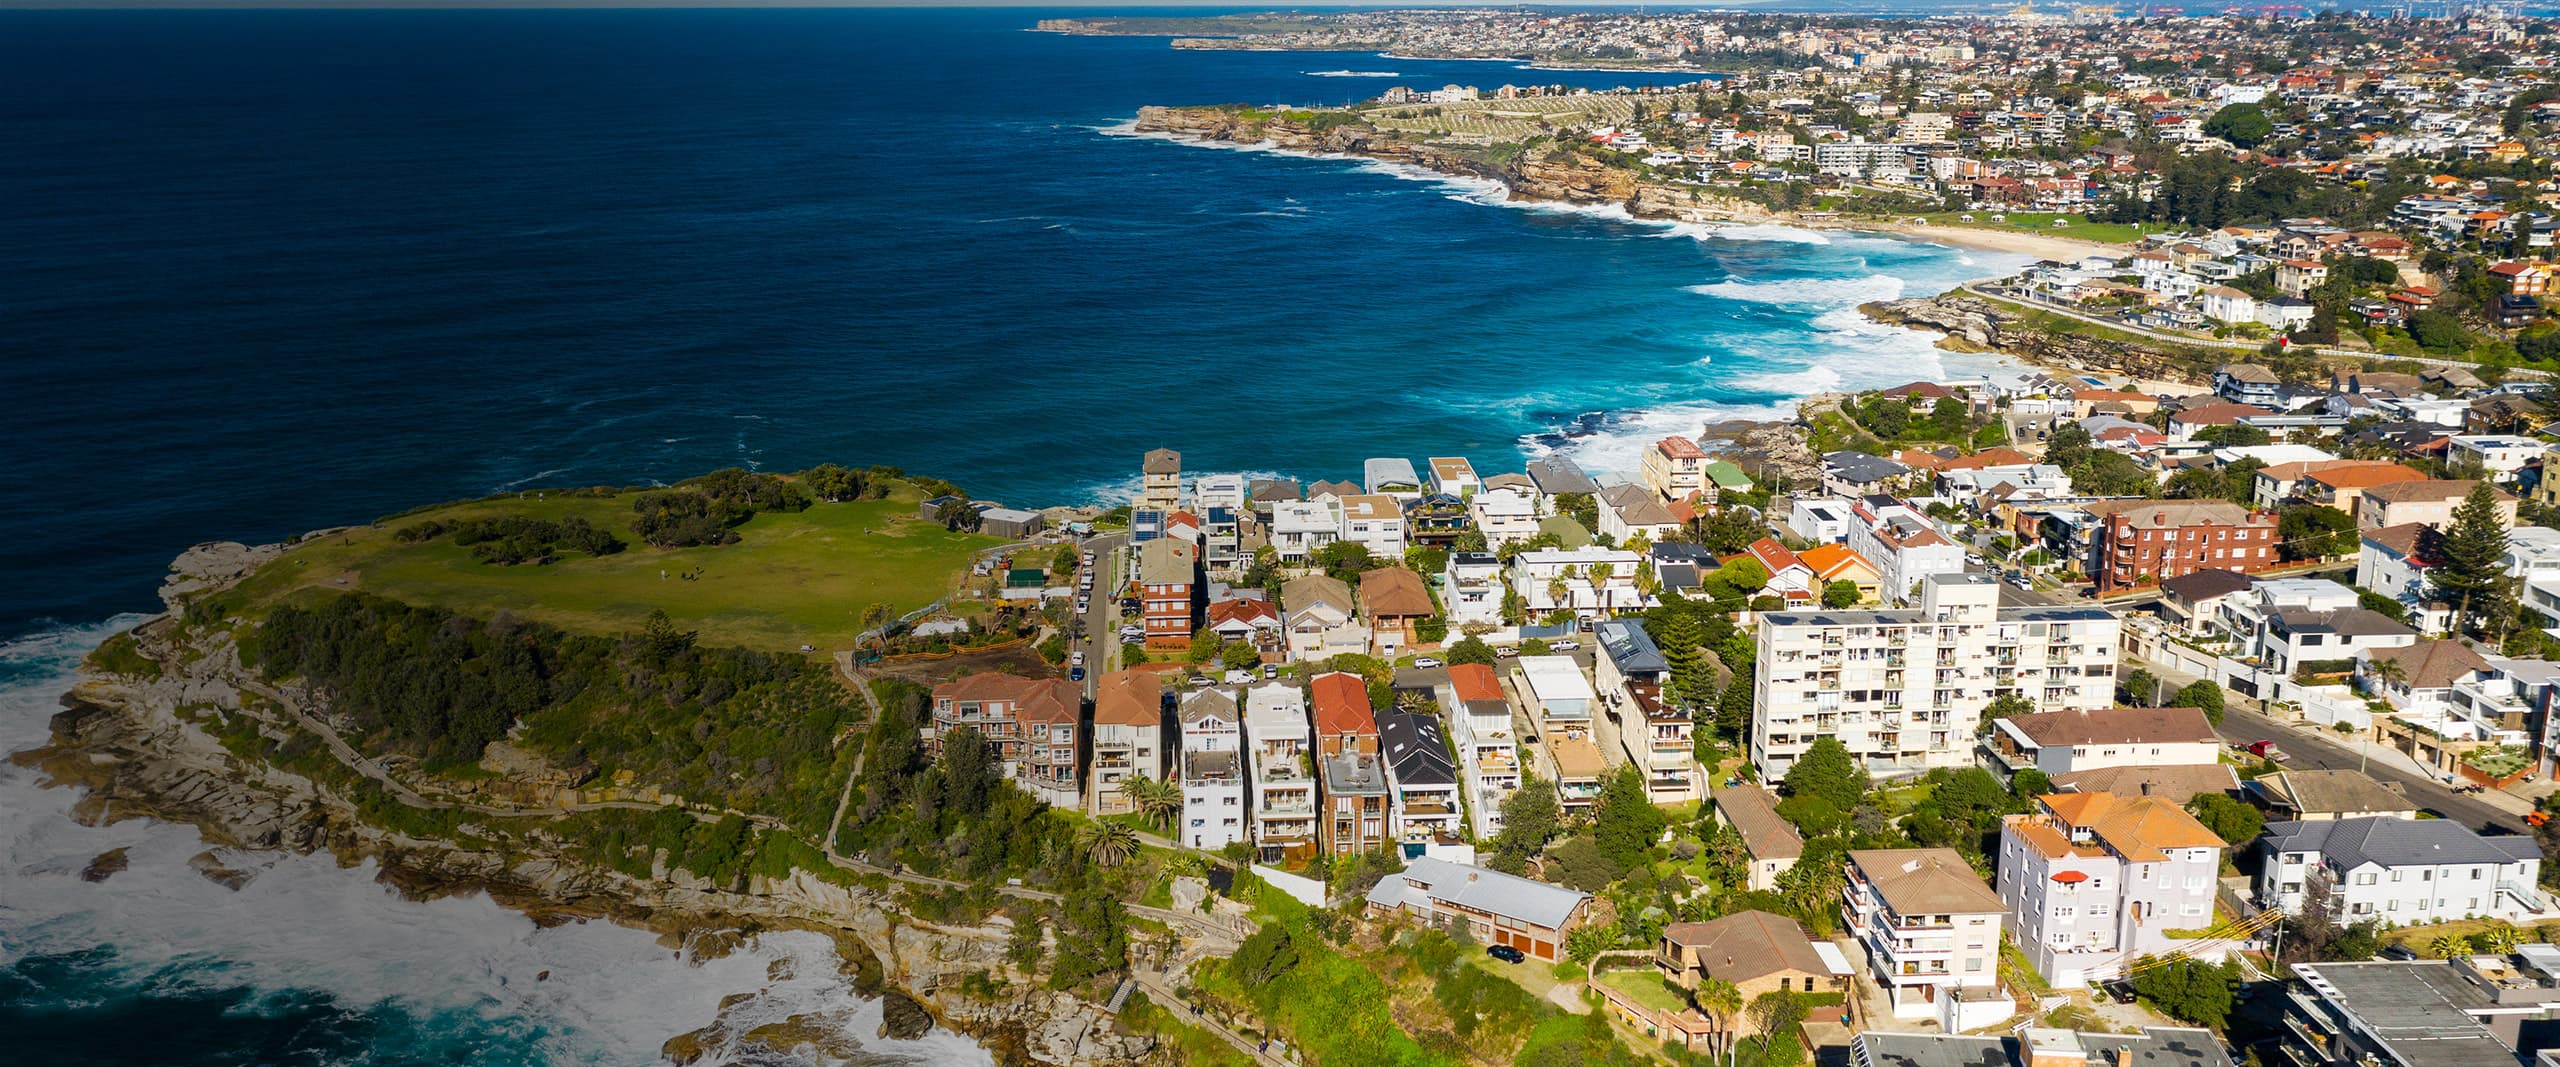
262, 272
269, 271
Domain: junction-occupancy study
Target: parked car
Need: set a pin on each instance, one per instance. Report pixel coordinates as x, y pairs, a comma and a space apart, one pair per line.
1566, 645
2398, 952
1239, 677
1075, 658
1506, 652
1271, 670
2118, 990
1075, 674
2267, 750
1199, 680
1506, 954
1425, 661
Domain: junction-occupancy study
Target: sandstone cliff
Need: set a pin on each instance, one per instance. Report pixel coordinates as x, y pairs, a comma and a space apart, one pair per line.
1977, 325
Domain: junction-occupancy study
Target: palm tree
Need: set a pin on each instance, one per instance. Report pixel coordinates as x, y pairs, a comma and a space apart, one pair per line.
1110, 844
1722, 1001
1156, 799
1598, 576
1556, 589
2386, 671
1647, 582
2447, 946
2501, 939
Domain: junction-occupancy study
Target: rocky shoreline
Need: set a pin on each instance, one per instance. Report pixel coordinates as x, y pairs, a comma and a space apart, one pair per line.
144, 747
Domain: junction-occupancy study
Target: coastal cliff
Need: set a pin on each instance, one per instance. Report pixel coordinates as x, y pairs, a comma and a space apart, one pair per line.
1975, 325
179, 732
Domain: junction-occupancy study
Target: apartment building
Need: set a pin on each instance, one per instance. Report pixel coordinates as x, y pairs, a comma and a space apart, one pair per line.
1471, 589
1279, 747
1160, 483
2139, 543
1169, 592
1375, 521
1031, 722
1905, 689
1355, 812
1504, 516
1128, 737
1221, 504
1564, 707
1422, 780
1213, 774
1301, 528
1488, 749
1675, 469
1453, 476
1902, 544
1635, 717
1926, 923
2429, 502
2094, 880
1592, 582
2401, 871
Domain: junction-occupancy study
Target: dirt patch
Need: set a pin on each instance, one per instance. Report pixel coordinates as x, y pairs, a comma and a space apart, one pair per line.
1020, 659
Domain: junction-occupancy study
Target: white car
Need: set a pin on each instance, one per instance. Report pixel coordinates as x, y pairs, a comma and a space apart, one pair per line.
1076, 658
1507, 652
1425, 661
1239, 677
1565, 646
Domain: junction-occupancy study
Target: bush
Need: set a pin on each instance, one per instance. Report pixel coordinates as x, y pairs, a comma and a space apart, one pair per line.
1569, 971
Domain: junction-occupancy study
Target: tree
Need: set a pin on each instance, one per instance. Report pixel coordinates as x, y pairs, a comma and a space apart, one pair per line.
2202, 695
2187, 989
1110, 844
2004, 706
1721, 1001
1627, 824
1530, 817
2448, 946
1841, 594
2471, 569
1773, 1014
957, 515
2316, 531
2139, 687
2030, 782
1470, 649
2437, 330
1826, 772
1156, 799
2235, 822
1028, 945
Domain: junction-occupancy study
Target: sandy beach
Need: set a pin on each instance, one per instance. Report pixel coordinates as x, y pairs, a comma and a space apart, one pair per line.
2041, 246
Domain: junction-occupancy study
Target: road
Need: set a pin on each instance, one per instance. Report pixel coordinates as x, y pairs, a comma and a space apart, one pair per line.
2050, 308
2311, 751
1099, 639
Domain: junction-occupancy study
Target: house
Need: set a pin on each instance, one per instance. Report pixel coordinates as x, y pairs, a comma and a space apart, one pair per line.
2418, 677
1471, 588
2290, 637
2342, 484
1128, 738
1902, 544
1224, 511
1591, 583
1770, 844
2060, 743
1160, 485
2037, 1046
1010, 523
1390, 477
2093, 880
2501, 455
1213, 773
2429, 503
2327, 796
1376, 521
1495, 908
1454, 476
1636, 719
1169, 591
2247, 383
1354, 803
2393, 561
2400, 871
1723, 477
1504, 516
1905, 689
1319, 613
1301, 528
2186, 422
1857, 474
1789, 578
1343, 718
1818, 520
1279, 747
2522, 278
1928, 924
1436, 520
1626, 511
1563, 705
2191, 601
1839, 563
1423, 780
2141, 542
2298, 277
1394, 600
1488, 748
1251, 622
1674, 469
2224, 304
1032, 724
1557, 476
1759, 953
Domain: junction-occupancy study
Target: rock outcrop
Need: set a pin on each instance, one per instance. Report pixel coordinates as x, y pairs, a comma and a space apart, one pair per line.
1974, 324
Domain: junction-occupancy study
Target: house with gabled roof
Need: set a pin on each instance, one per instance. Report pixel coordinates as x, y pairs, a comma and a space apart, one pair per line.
1128, 737
2401, 871
2094, 880
1496, 908
1213, 772
1770, 844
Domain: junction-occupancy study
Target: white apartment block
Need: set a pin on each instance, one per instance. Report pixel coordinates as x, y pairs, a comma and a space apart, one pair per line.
2094, 880
1902, 543
1279, 746
1905, 689
1212, 768
2401, 871
1927, 923
1299, 528
1504, 516
1585, 589
1220, 501
1471, 589
1375, 521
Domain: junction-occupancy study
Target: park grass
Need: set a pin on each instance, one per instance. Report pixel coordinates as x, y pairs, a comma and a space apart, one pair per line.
791, 579
2043, 223
1646, 987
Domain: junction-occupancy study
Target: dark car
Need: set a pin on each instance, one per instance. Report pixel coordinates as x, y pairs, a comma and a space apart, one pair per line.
2118, 990
1506, 954
1075, 674
2400, 953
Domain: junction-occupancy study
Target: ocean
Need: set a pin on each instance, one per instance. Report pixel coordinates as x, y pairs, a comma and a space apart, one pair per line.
271, 271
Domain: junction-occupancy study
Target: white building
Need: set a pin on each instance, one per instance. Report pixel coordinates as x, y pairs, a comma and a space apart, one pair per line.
1819, 520
1471, 589
1564, 707
1905, 689
1279, 741
2094, 880
2502, 455
1213, 776
1221, 504
2066, 742
1903, 544
1375, 521
1927, 923
1595, 582
1504, 516
1488, 748
1300, 528
2401, 871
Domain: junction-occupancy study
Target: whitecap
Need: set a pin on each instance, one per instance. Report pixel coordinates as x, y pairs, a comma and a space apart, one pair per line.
1351, 74
1806, 292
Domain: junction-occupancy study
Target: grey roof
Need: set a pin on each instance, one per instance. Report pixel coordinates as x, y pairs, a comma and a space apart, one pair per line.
2390, 842
2154, 1047
1492, 892
1273, 490
2347, 622
1354, 774
1860, 467
1164, 461
1383, 472
1207, 704
1556, 474
1630, 647
1637, 506
2307, 791
1416, 748
2180, 782
2418, 1009
2196, 586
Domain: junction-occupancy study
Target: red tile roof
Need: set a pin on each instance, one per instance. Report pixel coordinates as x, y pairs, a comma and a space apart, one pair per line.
1342, 705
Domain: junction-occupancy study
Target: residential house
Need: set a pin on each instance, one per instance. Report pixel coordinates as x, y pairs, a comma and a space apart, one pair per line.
1390, 477
1160, 484
2224, 304
1838, 563
2501, 455
2429, 502
1252, 622
1674, 469
1494, 908
1394, 600
2301, 795
2192, 601
1032, 724
1635, 716
1563, 705
2248, 383
1789, 578
1356, 816
2393, 561
1422, 778
2298, 277
1504, 516
2094, 880
1926, 922
1213, 773
1280, 745
2290, 637
1902, 544
1857, 474
1488, 747
1471, 588
2343, 487
1628, 510
2144, 541
1168, 574
2404, 872
2185, 423
1128, 737
1818, 520
1591, 582
2063, 743
1301, 528
1223, 509
1757, 952
1376, 521
1770, 844
1557, 476
1454, 476
1905, 689
1436, 520
1321, 621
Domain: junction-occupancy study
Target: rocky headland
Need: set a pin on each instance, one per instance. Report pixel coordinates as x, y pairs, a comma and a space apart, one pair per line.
166, 744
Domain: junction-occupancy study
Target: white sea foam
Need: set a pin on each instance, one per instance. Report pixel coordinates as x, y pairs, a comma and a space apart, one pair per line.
1781, 234
1351, 74
613, 995
1806, 292
1113, 492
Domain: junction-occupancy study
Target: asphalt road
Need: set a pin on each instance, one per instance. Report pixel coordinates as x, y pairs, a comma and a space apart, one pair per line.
1100, 640
2311, 751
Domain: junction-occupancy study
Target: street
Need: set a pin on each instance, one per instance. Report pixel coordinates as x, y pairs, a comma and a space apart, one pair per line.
2311, 751
1100, 638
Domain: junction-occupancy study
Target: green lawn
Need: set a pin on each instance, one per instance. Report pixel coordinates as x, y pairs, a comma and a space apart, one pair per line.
2036, 222
1647, 988
791, 579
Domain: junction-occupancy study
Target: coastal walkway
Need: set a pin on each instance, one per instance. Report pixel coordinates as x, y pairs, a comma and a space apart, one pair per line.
2048, 307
